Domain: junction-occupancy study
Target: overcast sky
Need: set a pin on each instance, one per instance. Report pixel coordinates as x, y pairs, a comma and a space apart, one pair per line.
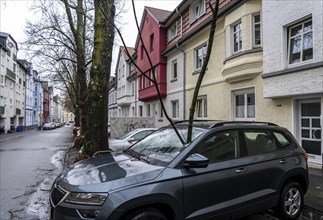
15, 13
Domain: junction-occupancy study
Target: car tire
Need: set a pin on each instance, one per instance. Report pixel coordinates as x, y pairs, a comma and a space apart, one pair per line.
291, 201
145, 214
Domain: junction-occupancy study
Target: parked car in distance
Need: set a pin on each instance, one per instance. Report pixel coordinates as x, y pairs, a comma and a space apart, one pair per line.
229, 170
125, 141
48, 126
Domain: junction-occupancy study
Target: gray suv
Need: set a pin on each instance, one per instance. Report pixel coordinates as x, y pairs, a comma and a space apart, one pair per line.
229, 170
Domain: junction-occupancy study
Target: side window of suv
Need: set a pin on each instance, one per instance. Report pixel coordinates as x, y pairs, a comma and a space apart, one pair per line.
220, 146
283, 141
259, 142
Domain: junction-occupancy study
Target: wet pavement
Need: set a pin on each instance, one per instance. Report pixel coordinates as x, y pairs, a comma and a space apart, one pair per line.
313, 209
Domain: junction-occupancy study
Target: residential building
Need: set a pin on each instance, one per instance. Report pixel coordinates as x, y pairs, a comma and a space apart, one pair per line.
124, 88
38, 97
68, 117
112, 102
29, 93
293, 70
47, 94
58, 115
10, 102
21, 73
154, 42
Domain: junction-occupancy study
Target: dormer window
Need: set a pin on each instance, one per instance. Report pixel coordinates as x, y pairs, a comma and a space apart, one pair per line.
172, 32
197, 9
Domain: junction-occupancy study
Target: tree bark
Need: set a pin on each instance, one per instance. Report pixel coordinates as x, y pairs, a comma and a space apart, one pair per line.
96, 135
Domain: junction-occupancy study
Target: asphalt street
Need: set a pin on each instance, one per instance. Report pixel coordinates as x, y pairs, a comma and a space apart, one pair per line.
29, 162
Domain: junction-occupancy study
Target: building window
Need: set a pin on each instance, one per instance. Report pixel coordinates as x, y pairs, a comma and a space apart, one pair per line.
151, 42
197, 9
237, 36
123, 70
175, 109
244, 104
200, 54
1, 80
133, 89
256, 20
201, 107
141, 52
140, 110
174, 70
172, 31
300, 42
148, 110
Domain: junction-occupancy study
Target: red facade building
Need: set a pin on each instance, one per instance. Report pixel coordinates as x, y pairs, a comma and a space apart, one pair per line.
154, 39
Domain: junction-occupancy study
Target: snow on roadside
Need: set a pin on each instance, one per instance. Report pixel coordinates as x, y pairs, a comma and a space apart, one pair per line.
38, 204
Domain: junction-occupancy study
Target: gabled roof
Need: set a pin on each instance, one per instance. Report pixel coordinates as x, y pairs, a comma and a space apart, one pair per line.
125, 56
158, 14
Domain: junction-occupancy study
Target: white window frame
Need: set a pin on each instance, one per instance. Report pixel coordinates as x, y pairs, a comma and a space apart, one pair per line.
254, 24
175, 109
133, 89
148, 110
301, 34
233, 32
201, 111
197, 57
174, 70
243, 92
172, 31
197, 10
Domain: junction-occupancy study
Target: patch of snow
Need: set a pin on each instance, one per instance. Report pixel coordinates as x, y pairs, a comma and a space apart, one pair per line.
38, 204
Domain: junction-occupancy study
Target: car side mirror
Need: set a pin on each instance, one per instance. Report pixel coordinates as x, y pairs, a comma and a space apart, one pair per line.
196, 161
131, 140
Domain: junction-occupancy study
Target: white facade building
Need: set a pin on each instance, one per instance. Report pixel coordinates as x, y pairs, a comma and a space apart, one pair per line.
293, 68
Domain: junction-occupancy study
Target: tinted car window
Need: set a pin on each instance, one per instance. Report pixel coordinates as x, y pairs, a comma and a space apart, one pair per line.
282, 139
259, 142
220, 146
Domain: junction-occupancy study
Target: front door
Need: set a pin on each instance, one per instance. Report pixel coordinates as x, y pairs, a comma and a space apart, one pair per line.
310, 129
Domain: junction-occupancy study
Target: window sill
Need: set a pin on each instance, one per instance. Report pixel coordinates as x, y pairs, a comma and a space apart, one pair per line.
241, 53
173, 80
198, 71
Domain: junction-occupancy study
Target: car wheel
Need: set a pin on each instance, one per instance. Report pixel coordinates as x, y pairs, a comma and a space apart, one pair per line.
146, 214
291, 201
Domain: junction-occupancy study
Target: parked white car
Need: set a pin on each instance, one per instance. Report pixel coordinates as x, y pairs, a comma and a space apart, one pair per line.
48, 126
125, 141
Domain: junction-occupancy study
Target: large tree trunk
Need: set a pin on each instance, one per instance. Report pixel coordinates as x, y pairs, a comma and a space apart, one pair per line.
96, 135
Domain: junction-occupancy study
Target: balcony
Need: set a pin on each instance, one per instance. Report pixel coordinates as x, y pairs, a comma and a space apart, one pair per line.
11, 74
18, 111
2, 110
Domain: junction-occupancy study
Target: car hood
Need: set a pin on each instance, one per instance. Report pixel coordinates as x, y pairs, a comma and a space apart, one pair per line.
111, 171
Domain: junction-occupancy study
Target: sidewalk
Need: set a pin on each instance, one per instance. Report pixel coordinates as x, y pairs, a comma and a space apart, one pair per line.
314, 196
8, 136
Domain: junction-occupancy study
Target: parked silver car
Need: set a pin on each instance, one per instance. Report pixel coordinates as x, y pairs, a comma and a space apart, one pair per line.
123, 142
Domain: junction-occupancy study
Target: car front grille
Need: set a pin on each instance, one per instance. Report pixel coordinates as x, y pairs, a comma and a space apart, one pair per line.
57, 195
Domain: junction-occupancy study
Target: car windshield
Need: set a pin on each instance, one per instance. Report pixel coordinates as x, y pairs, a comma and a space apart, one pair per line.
162, 146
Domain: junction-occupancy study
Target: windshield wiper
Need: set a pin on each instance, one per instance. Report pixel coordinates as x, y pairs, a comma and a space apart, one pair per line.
145, 158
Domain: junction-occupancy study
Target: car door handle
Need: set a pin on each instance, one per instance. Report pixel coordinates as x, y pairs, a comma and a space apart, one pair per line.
241, 170
283, 161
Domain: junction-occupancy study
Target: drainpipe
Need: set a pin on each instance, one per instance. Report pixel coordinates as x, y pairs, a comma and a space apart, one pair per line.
184, 64
184, 74
181, 21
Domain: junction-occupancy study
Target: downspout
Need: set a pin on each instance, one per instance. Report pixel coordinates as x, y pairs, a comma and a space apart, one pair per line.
184, 65
184, 78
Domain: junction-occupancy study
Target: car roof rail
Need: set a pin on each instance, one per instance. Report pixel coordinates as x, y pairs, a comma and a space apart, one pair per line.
222, 123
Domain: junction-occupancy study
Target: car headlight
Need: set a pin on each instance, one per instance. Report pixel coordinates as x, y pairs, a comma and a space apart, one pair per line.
86, 198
